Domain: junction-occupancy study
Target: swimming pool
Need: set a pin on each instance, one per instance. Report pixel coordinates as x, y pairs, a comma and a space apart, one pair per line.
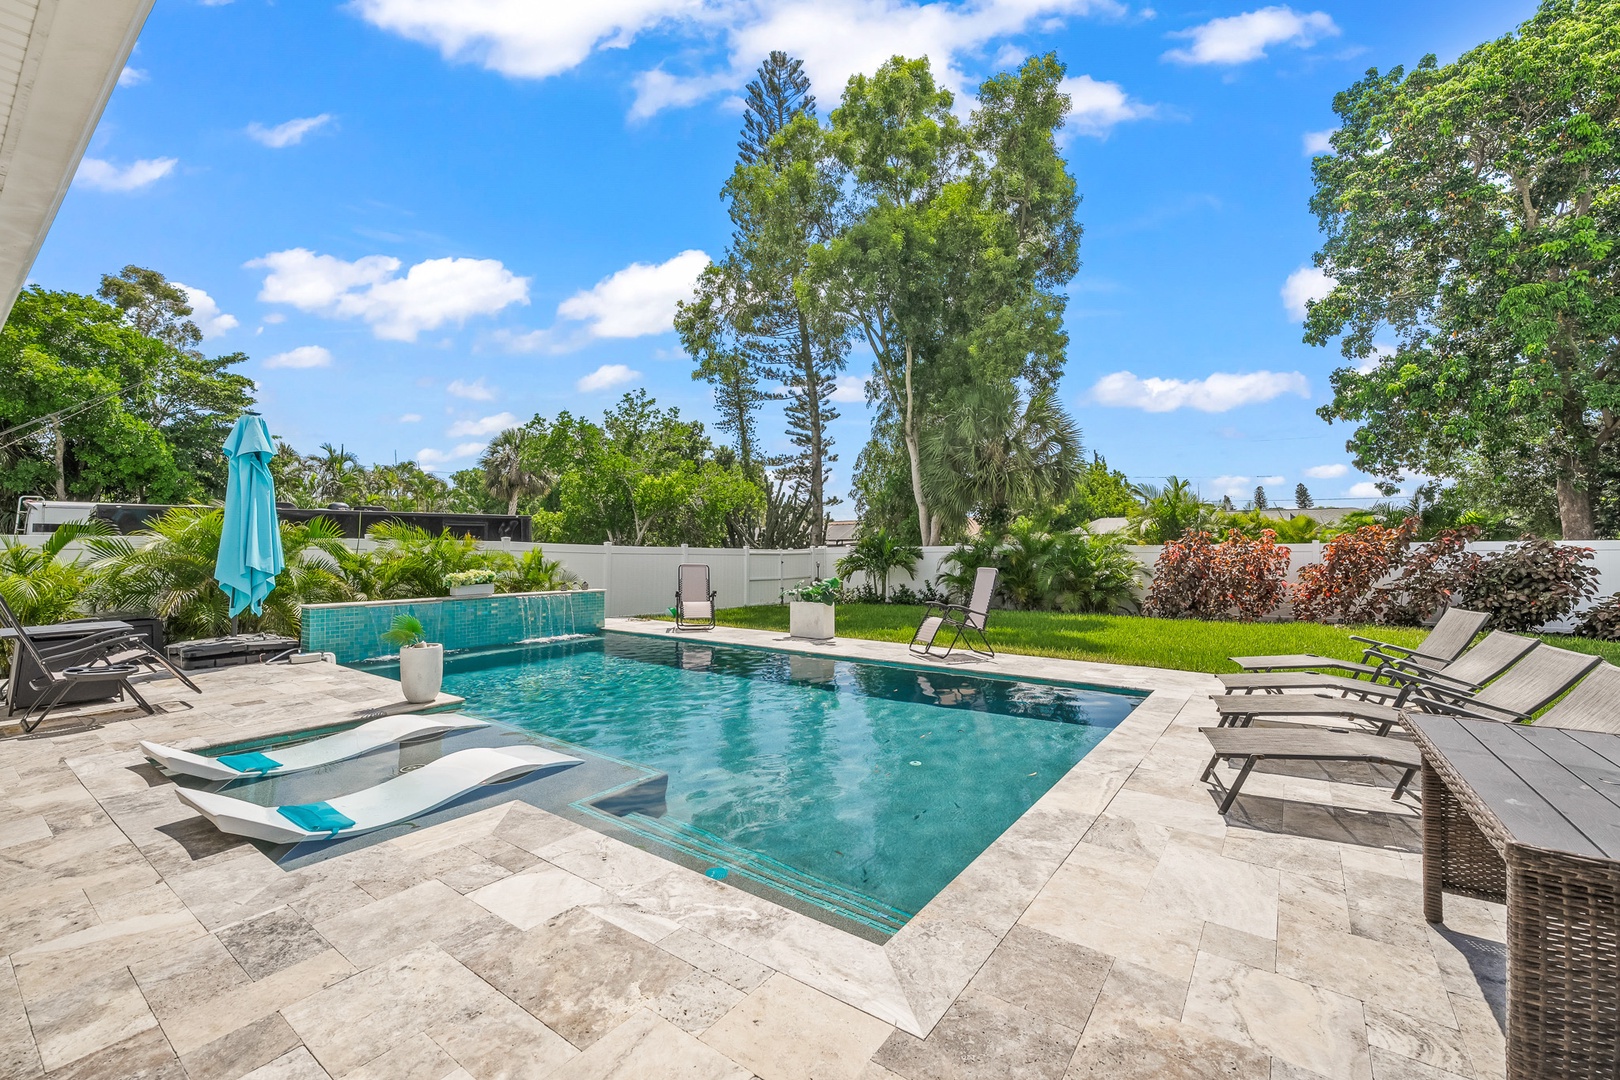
858, 789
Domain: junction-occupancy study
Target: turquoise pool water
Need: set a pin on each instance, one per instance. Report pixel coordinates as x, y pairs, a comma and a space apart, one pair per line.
859, 788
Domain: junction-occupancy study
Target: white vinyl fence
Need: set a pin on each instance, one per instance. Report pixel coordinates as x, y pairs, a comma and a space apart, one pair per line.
641, 580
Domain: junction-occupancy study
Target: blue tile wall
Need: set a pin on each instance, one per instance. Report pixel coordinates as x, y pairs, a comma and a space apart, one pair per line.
354, 631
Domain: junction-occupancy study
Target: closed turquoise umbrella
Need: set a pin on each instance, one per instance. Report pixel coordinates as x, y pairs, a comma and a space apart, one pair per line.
250, 541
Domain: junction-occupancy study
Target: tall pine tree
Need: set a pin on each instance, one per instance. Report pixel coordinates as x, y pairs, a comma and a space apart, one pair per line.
756, 317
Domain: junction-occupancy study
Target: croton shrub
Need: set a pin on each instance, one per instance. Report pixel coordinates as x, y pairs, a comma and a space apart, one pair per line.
1342, 587
1531, 583
1240, 577
1601, 620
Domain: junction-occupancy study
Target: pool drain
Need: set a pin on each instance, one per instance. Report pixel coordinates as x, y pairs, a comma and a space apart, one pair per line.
403, 769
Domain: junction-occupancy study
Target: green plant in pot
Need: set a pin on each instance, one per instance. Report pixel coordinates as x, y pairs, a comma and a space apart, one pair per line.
421, 662
810, 614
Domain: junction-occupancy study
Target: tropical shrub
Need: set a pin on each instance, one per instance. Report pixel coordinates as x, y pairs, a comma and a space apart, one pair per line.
1602, 620
1434, 575
1340, 587
531, 572
1169, 513
1299, 529
1532, 583
172, 576
1094, 575
1240, 577
877, 553
1028, 560
410, 561
38, 585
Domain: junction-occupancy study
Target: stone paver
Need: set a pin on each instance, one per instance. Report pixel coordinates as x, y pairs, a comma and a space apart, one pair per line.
1122, 928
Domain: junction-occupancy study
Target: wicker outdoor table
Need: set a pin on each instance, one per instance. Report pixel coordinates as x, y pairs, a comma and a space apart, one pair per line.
1531, 817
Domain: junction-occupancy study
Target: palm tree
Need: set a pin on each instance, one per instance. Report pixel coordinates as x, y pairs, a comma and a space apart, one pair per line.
997, 452
876, 554
38, 585
1170, 512
171, 573
333, 473
508, 472
411, 562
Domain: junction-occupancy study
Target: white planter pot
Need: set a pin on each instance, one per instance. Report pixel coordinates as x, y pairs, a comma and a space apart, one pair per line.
486, 589
808, 620
421, 672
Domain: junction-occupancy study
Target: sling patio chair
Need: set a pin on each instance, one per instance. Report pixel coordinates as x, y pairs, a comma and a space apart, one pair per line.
1594, 704
116, 646
1452, 634
1541, 677
694, 599
1516, 695
51, 681
1390, 684
963, 622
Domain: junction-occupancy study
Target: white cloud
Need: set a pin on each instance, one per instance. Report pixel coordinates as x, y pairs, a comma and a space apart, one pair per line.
1233, 487
131, 76
411, 418
1098, 106
1326, 472
290, 133
636, 301
850, 388
1364, 490
1303, 285
472, 391
429, 295
105, 176
305, 356
1216, 393
205, 312
834, 38
487, 425
605, 378
1270, 481
429, 458
1319, 142
274, 317
1237, 39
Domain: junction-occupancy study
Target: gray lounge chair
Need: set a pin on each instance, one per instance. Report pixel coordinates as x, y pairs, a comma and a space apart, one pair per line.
1451, 635
1519, 693
1541, 677
51, 680
694, 599
963, 622
1251, 746
1594, 704
1476, 667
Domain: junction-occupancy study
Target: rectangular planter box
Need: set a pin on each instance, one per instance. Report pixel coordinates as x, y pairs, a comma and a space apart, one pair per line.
814, 621
485, 589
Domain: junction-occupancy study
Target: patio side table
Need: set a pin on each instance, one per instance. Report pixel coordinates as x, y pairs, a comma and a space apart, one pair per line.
1531, 817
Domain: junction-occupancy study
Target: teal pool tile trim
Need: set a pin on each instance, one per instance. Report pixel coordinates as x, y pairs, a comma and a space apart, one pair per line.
354, 631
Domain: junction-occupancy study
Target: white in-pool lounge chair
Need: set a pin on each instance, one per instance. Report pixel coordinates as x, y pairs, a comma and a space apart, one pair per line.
400, 799
373, 735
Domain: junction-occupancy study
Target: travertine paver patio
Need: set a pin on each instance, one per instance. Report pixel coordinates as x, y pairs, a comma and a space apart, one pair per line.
1120, 929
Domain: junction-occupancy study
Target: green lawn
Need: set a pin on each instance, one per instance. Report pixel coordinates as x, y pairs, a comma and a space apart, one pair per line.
1186, 644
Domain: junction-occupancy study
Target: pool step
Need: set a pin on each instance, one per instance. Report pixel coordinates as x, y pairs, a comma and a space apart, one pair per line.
707, 847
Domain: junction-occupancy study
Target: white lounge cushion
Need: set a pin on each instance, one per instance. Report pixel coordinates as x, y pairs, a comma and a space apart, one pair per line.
400, 799
696, 609
372, 735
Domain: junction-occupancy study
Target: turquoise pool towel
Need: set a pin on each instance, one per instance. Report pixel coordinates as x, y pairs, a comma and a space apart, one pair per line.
249, 763
315, 817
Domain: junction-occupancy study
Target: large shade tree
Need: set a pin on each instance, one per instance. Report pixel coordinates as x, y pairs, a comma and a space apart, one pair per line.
1472, 210
961, 240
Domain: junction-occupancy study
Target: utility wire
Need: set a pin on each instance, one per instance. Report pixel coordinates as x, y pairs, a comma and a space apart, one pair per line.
62, 414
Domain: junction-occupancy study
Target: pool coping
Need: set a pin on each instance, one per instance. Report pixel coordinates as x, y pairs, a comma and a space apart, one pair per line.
913, 978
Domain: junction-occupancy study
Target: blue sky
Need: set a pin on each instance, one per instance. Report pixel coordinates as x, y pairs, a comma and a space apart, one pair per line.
426, 219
